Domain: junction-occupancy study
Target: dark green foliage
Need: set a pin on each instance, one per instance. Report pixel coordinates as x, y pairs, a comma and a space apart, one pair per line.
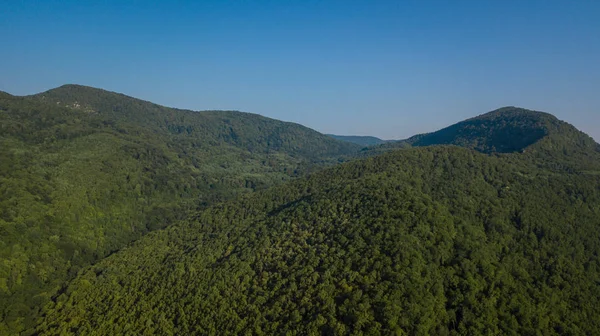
438, 240
359, 140
506, 130
83, 172
248, 131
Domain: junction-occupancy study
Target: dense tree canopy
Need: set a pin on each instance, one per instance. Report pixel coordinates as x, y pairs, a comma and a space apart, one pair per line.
505, 130
499, 237
83, 172
436, 240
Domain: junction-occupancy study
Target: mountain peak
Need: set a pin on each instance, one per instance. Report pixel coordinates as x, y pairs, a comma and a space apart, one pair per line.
78, 87
504, 130
515, 112
509, 129
69, 93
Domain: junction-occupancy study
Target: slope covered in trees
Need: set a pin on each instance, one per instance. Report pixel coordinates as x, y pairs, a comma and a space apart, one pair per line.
83, 172
438, 240
246, 131
505, 130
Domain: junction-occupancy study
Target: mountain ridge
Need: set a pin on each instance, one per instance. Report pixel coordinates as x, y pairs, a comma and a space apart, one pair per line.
543, 120
363, 140
85, 171
85, 177
505, 130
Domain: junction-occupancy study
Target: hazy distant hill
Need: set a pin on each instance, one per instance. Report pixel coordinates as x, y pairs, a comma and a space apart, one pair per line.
248, 131
510, 130
358, 139
84, 171
434, 240
505, 130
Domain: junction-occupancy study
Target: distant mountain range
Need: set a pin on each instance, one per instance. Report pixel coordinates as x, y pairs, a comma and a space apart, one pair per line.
538, 135
358, 139
505, 130
120, 216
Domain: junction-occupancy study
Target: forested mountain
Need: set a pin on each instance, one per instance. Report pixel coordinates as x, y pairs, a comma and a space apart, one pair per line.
437, 240
499, 237
358, 139
247, 131
83, 172
505, 130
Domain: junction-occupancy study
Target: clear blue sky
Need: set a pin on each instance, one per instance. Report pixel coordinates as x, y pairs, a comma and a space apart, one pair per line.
384, 68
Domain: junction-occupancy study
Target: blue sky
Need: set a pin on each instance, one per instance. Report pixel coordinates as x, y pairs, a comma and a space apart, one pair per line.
384, 68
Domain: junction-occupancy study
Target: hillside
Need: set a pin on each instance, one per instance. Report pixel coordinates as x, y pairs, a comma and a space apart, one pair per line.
437, 240
358, 139
83, 172
505, 130
247, 131
540, 136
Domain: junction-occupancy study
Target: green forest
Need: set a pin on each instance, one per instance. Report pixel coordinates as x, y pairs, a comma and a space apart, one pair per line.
122, 217
84, 172
422, 241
